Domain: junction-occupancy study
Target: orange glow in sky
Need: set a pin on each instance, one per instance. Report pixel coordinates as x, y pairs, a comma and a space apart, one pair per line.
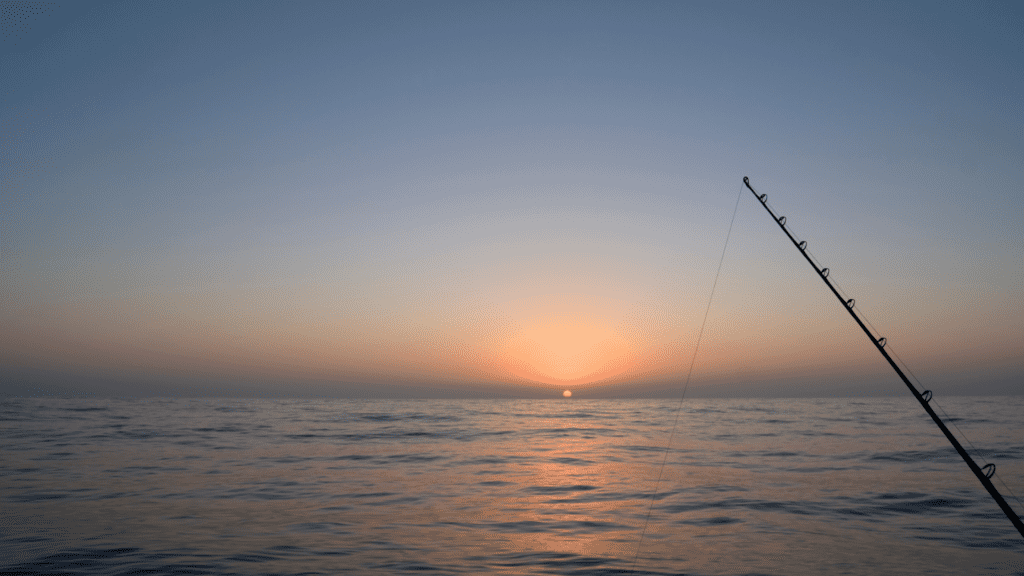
485, 206
554, 350
566, 339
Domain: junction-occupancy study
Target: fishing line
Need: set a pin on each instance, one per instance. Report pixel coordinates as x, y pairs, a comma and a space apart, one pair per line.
978, 453
924, 398
949, 419
689, 373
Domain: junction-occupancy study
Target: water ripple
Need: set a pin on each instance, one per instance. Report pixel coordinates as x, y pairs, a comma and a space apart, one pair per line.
206, 486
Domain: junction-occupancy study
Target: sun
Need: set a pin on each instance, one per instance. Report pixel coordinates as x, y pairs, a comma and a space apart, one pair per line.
567, 393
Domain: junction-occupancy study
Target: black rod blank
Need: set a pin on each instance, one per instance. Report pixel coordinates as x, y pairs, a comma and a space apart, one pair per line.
983, 475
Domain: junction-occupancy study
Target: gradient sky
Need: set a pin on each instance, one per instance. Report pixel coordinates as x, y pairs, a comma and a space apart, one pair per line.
466, 198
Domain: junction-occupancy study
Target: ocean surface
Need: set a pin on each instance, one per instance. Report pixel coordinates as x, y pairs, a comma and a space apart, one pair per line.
228, 486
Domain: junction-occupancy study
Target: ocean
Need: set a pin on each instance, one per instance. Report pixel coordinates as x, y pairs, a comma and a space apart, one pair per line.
269, 486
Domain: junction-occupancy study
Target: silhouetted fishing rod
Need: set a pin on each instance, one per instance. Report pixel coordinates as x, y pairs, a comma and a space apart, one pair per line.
983, 473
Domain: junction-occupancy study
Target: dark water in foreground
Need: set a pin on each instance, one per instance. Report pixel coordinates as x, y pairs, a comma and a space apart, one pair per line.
162, 486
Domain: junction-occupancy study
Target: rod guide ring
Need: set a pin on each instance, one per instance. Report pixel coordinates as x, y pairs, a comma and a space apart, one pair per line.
989, 469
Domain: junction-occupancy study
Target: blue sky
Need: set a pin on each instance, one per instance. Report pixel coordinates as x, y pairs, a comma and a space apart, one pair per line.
430, 193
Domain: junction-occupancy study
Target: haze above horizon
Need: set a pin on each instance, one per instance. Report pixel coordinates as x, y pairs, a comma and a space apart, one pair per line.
453, 199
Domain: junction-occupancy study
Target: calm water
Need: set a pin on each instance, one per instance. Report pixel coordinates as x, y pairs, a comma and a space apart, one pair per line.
852, 486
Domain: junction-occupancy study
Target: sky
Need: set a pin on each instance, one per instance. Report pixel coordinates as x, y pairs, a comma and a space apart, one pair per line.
492, 199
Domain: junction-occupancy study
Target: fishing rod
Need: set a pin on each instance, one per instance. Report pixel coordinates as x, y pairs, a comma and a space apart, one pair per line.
983, 473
